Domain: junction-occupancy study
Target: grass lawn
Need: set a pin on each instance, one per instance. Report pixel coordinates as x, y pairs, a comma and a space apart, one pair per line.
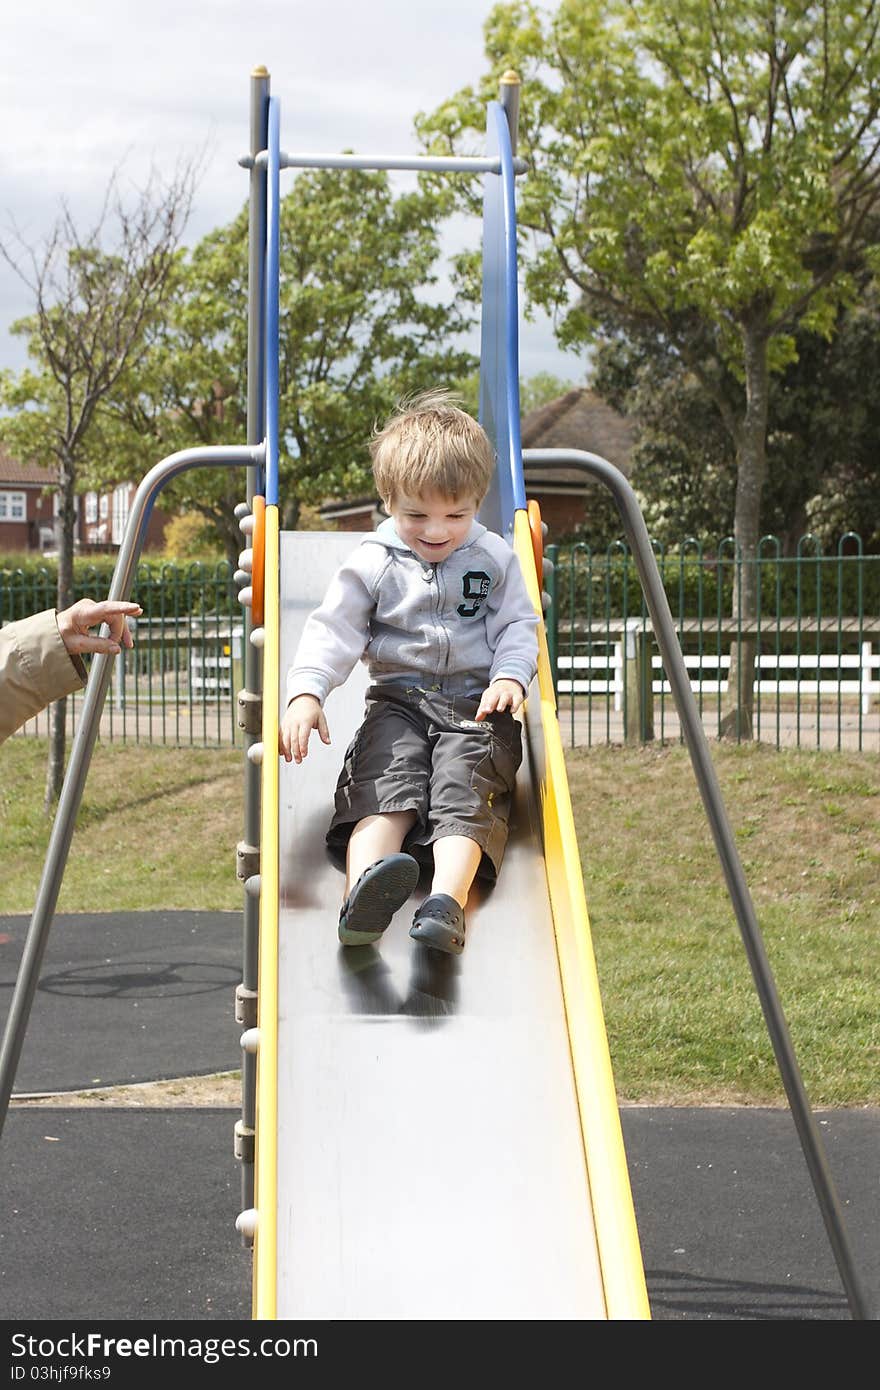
158, 828
682, 1014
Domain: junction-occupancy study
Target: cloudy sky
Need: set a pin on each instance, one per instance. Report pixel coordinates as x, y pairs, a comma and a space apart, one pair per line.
113, 84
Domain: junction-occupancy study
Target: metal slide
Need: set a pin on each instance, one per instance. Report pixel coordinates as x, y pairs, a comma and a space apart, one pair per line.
430, 1155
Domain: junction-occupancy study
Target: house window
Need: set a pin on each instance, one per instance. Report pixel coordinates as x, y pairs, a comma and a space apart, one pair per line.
121, 497
13, 506
91, 507
105, 506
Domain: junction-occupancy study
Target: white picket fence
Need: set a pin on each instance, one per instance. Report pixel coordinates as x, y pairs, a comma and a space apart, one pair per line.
791, 674
211, 666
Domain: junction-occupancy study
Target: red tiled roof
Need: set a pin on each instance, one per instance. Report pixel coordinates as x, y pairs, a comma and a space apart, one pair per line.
579, 420
13, 473
330, 508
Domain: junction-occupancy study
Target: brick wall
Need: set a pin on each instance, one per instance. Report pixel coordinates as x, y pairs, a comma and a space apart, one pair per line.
562, 513
354, 521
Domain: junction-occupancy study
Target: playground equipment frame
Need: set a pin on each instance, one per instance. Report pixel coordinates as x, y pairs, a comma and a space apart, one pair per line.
258, 853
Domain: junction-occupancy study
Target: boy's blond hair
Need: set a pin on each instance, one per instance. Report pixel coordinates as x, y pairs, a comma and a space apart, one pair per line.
431, 445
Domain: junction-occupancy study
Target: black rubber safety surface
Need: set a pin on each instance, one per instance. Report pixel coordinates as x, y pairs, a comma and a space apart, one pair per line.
126, 997
126, 1214
728, 1219
129, 1214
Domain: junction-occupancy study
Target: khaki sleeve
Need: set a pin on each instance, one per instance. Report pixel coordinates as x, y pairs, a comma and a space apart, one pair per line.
35, 669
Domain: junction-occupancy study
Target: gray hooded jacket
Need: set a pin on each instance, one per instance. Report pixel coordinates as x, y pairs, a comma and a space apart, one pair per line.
454, 626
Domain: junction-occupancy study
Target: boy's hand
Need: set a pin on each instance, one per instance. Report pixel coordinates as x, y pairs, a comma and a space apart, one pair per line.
501, 694
302, 715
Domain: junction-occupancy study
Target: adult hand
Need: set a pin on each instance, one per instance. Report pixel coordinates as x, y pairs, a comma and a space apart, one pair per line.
74, 623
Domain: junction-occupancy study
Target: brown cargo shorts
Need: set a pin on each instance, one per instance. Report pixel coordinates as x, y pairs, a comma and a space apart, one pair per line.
419, 750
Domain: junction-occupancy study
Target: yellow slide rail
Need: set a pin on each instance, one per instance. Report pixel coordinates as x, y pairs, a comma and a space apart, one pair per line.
617, 1237
266, 1155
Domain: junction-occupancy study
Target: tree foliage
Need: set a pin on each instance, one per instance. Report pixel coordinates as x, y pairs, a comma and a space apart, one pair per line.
96, 292
703, 173
824, 428
823, 424
359, 327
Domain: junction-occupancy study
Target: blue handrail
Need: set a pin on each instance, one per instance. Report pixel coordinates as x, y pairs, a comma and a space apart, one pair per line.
499, 352
271, 289
499, 346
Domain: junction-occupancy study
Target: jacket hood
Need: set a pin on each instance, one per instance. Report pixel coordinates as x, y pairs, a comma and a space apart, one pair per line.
386, 534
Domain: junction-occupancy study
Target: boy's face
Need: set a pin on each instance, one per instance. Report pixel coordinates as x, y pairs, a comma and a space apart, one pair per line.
433, 526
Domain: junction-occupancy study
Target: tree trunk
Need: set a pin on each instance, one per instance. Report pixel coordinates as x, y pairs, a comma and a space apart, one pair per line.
737, 717
796, 526
64, 532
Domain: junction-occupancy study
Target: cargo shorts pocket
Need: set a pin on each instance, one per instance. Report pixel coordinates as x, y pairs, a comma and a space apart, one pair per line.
348, 770
494, 776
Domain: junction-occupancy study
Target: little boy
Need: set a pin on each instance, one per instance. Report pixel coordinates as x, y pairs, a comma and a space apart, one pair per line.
437, 608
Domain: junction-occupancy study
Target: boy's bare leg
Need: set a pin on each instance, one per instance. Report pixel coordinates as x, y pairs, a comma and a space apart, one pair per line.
456, 860
373, 837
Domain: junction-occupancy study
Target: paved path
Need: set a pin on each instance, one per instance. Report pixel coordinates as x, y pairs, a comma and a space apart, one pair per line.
728, 1219
851, 732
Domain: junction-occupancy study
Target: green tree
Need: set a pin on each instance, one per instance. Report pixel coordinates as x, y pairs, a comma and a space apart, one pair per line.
823, 472
682, 463
358, 328
705, 170
96, 292
824, 427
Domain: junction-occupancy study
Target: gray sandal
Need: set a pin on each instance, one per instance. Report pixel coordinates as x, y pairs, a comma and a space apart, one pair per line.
439, 922
374, 899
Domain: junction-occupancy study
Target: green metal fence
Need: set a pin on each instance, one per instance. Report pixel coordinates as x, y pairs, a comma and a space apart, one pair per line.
815, 633
178, 684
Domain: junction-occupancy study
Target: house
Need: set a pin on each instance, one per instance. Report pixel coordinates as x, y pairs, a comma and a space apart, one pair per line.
104, 516
28, 509
578, 420
360, 514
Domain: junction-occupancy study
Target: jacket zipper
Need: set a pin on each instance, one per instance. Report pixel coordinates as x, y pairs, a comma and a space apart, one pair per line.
447, 642
444, 643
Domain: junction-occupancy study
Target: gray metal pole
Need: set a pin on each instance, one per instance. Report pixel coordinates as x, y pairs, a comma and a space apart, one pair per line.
81, 752
508, 96
417, 163
253, 667
710, 791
